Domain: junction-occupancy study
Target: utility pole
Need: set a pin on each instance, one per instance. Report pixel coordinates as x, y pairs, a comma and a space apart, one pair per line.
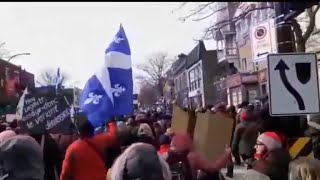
285, 40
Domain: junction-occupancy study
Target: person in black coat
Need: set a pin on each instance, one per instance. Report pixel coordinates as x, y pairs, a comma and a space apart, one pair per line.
52, 156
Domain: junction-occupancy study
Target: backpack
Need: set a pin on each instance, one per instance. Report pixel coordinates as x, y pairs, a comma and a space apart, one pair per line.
179, 165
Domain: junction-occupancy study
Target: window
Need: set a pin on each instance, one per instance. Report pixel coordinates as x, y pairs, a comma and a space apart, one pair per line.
264, 12
176, 84
7, 73
256, 17
244, 64
257, 66
238, 30
239, 97
234, 98
248, 22
195, 78
263, 89
252, 95
243, 26
271, 12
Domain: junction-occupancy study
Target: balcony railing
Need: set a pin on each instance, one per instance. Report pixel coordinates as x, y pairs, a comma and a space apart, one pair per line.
228, 53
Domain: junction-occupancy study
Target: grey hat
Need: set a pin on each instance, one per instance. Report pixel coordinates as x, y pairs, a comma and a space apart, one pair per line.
140, 161
21, 158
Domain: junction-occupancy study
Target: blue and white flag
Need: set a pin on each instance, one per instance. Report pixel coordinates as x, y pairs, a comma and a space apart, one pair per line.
109, 92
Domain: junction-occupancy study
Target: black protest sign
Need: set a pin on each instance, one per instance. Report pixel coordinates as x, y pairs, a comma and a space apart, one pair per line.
45, 112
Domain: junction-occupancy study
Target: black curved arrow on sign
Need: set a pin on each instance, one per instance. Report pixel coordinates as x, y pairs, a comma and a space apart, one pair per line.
282, 67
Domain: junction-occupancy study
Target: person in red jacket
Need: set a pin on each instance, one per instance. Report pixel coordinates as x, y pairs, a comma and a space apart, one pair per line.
84, 157
164, 144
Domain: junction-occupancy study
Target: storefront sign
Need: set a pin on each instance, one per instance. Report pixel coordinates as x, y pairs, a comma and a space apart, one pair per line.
249, 78
234, 80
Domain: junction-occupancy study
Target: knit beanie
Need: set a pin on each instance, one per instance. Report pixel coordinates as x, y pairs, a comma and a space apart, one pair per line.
271, 140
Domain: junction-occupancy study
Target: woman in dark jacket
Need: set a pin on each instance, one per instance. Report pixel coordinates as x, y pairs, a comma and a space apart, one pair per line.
52, 156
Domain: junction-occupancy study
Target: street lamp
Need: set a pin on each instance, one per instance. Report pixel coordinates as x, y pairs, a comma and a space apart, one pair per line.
16, 55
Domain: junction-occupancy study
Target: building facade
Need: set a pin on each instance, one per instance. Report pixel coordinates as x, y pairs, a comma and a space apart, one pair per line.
202, 69
180, 85
250, 80
13, 80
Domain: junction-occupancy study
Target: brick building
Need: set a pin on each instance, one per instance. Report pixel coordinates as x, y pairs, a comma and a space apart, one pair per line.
13, 80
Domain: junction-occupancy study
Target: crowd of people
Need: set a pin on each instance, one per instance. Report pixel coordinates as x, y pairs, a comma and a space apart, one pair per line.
145, 147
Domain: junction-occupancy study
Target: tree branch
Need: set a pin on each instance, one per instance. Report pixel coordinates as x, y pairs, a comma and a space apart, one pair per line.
201, 8
297, 29
212, 13
242, 15
310, 27
180, 7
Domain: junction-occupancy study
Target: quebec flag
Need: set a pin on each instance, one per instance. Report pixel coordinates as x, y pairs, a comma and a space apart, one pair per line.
109, 92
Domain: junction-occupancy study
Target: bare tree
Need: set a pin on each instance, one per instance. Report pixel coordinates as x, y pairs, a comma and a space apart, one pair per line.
304, 26
48, 77
207, 10
148, 95
155, 70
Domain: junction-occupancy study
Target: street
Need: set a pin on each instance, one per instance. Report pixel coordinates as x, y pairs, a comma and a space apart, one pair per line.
238, 172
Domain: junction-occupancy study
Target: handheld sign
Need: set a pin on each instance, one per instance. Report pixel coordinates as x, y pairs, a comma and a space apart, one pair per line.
45, 112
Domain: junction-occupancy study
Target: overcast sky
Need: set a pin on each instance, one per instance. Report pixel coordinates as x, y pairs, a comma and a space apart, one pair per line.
73, 36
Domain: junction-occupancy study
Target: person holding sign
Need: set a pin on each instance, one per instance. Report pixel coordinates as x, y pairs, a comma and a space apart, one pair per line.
90, 156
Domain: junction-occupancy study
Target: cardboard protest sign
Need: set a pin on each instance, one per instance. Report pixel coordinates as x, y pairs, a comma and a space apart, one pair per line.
182, 121
45, 112
212, 134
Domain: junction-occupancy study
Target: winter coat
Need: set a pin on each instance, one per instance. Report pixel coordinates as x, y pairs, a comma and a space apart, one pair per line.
52, 156
82, 162
244, 138
275, 164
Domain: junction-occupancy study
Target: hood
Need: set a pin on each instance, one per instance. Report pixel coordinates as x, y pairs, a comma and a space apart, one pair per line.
22, 156
140, 161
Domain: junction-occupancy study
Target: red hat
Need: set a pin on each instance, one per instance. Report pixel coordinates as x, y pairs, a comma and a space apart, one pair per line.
271, 140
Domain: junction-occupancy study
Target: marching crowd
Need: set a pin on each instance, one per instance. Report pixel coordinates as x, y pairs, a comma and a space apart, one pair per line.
145, 147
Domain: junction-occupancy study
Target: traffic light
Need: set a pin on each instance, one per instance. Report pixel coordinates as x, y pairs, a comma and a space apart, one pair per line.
293, 9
